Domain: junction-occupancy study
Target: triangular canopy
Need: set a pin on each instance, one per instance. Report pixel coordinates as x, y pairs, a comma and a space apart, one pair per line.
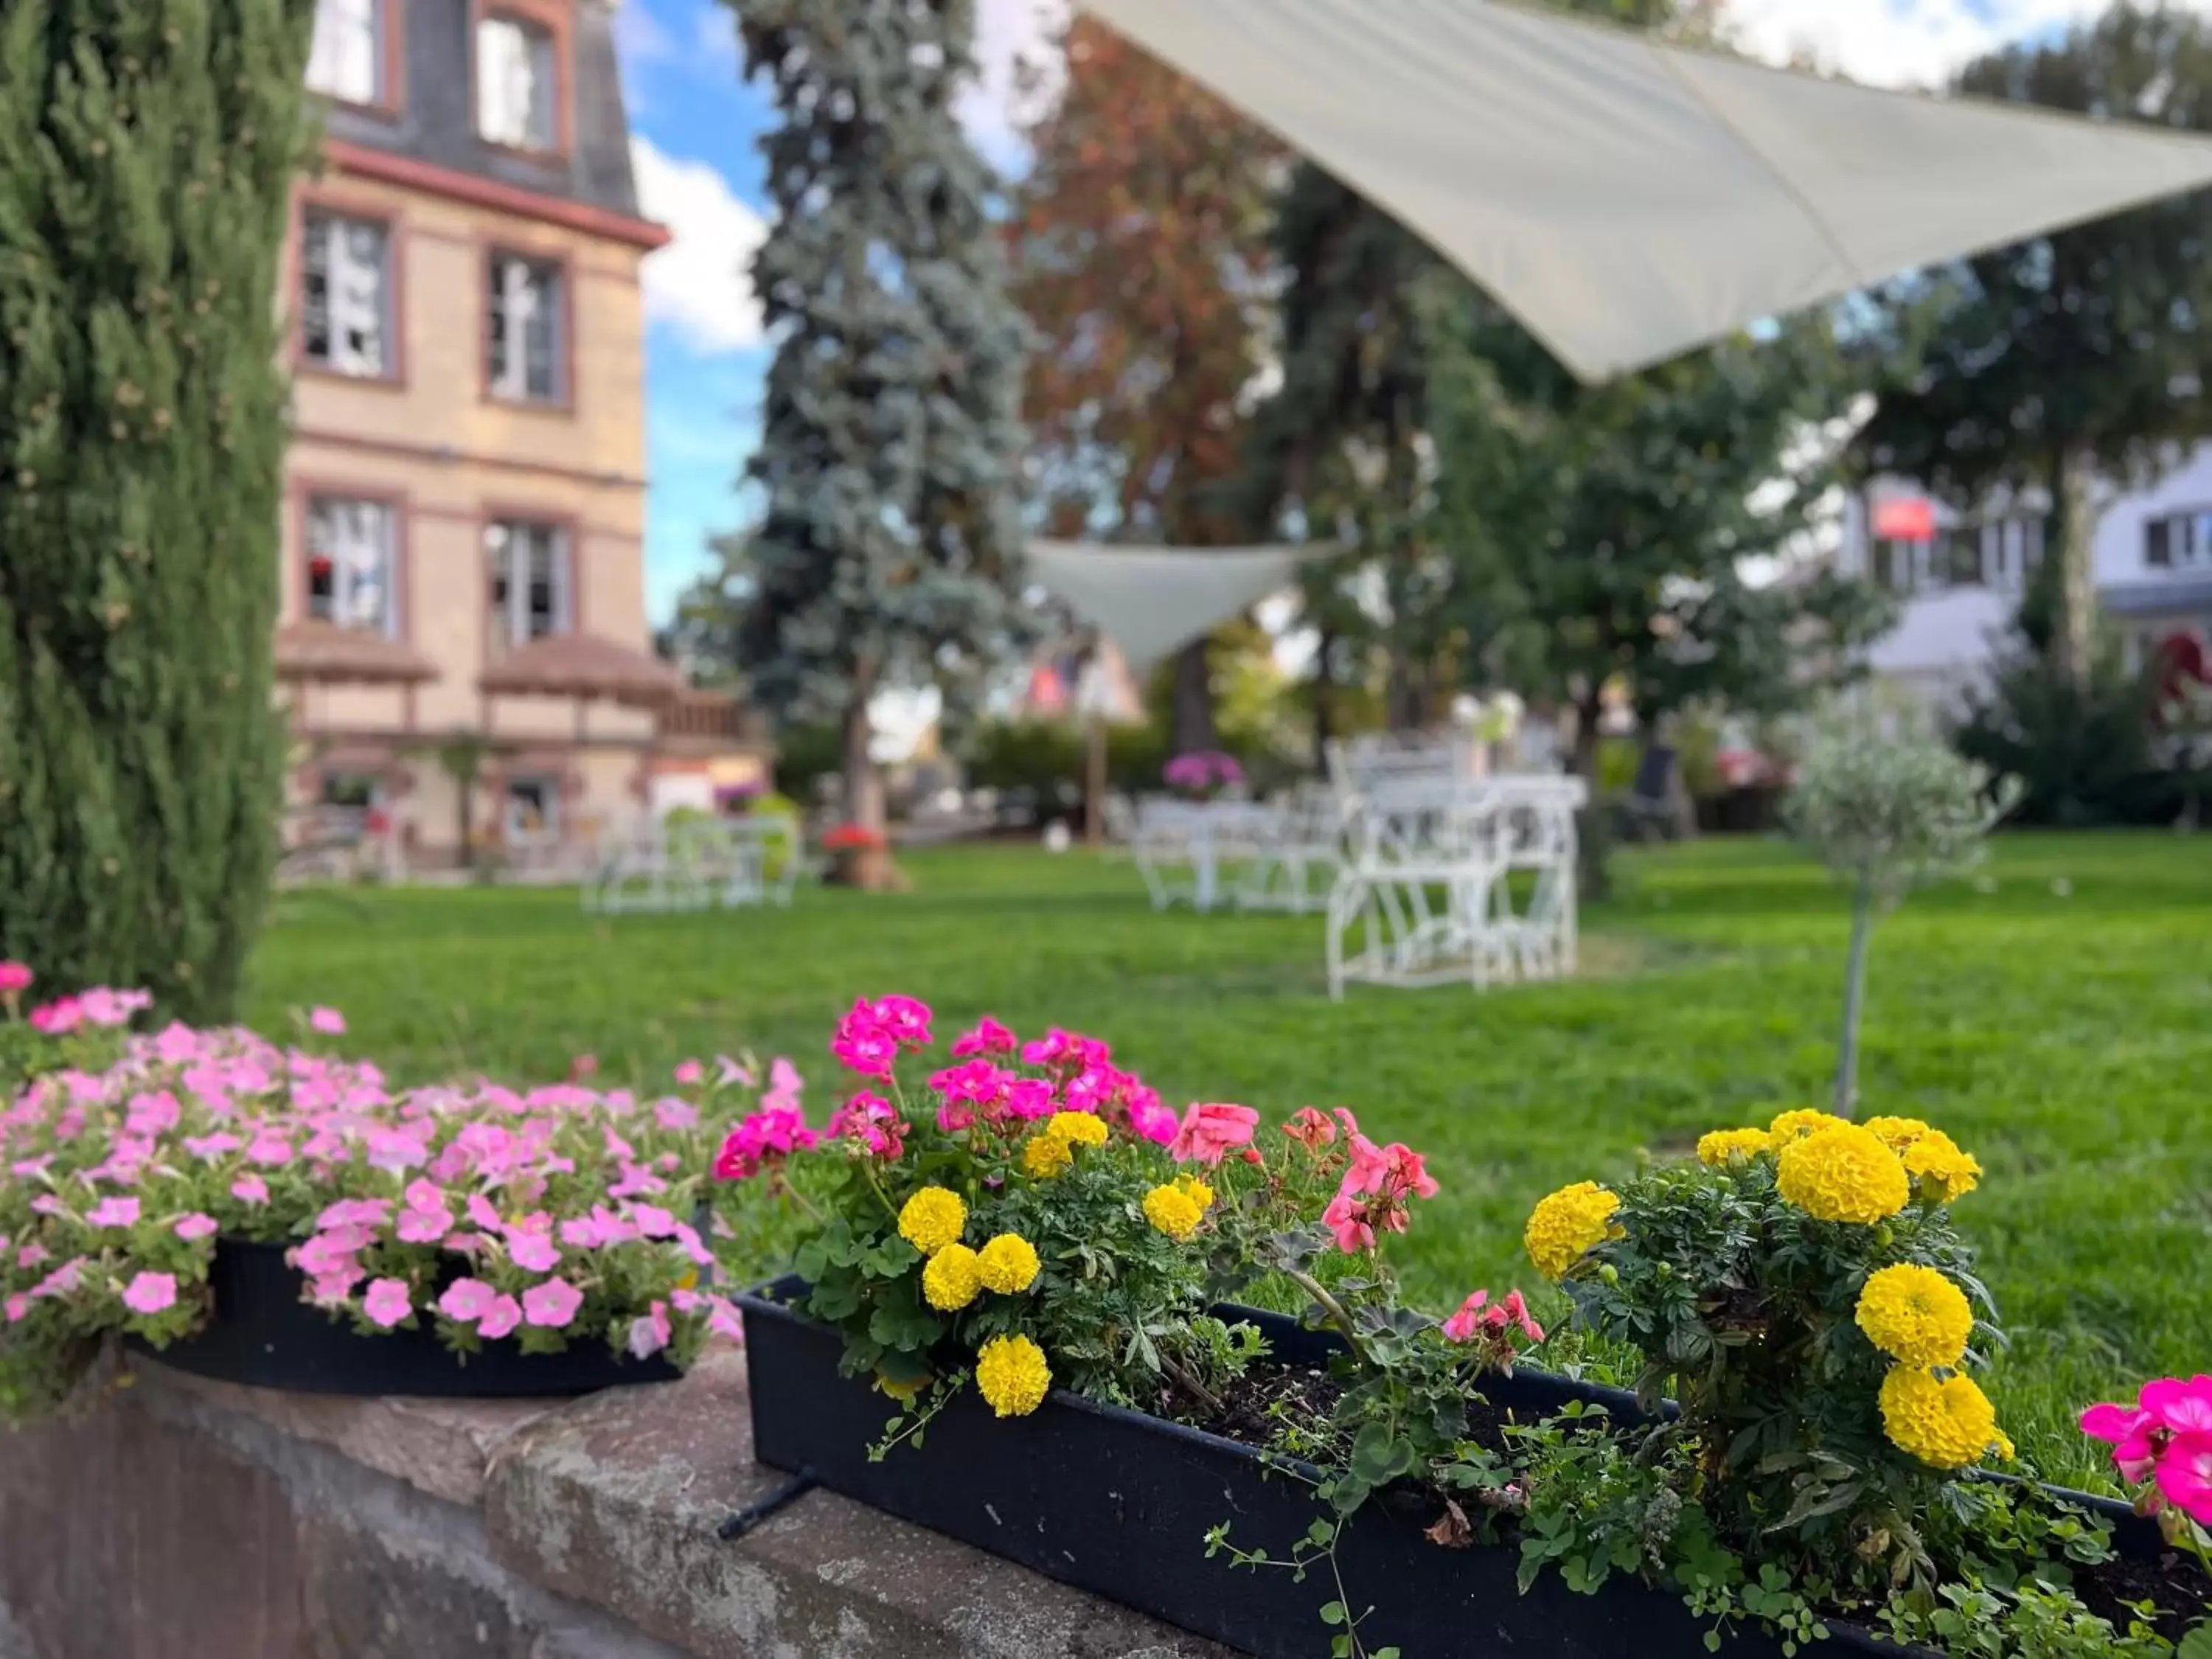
1629, 200
1152, 600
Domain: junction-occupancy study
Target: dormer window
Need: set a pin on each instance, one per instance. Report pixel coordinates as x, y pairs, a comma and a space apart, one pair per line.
517, 83
347, 60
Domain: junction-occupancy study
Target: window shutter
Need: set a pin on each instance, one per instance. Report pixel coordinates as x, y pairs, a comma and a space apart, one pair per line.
2158, 546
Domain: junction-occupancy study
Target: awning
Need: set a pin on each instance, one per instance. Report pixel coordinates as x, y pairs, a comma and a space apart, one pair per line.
1152, 600
1628, 200
582, 665
323, 652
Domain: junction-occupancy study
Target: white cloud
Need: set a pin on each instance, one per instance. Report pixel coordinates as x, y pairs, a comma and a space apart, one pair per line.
699, 284
1007, 33
1899, 43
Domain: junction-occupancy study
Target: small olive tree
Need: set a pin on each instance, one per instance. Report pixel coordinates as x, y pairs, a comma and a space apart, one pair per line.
1888, 806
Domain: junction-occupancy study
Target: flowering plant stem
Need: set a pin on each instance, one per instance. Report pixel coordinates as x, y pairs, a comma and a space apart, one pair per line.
1332, 1310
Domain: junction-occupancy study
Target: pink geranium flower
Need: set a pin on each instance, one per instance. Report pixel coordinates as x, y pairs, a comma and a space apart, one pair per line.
552, 1305
2182, 1407
330, 1023
1065, 1051
863, 1043
906, 1020
194, 1226
467, 1300
387, 1303
989, 1037
113, 1213
869, 1121
15, 979
499, 1319
150, 1293
1310, 1128
2184, 1475
1210, 1130
764, 1139
649, 1335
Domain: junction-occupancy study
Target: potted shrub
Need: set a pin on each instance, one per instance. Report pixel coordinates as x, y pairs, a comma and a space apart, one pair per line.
279, 1217
1012, 1321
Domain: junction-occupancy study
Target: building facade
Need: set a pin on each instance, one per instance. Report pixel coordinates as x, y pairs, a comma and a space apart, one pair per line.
1961, 588
463, 568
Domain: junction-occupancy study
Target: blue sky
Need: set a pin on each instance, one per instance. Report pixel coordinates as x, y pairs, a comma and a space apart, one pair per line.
695, 122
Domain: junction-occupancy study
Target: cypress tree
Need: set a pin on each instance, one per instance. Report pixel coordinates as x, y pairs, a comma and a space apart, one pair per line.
146, 154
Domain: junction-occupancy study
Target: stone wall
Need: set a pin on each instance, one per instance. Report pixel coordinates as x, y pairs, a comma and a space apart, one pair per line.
172, 1518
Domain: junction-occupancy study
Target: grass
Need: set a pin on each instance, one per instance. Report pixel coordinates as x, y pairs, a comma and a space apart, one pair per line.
2057, 1023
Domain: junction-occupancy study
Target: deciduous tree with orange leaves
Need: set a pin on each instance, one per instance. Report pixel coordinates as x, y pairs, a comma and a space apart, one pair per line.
1140, 254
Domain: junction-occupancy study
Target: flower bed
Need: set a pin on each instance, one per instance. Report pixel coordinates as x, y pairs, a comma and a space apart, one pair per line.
278, 1216
1018, 1272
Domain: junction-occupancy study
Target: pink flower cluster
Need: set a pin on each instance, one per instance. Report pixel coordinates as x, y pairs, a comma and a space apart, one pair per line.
562, 1203
1202, 771
2165, 1438
1378, 1186
872, 1036
100, 1007
1479, 1316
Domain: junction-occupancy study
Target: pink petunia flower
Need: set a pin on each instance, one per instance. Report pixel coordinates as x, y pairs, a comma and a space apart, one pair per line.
30, 1256
250, 1189
329, 1021
113, 1213
208, 1148
467, 1300
15, 979
722, 1319
194, 1226
19, 1307
150, 1293
387, 1303
551, 1305
499, 1319
533, 1252
270, 1150
690, 1072
649, 1335
676, 1115
989, 1037
1210, 1129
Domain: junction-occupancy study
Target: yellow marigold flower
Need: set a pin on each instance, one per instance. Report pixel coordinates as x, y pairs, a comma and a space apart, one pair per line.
2006, 1451
1567, 1223
1896, 1133
1173, 1211
1724, 1146
1045, 1156
1945, 1171
1798, 1124
1946, 1423
1196, 1190
1013, 1374
1007, 1264
1914, 1314
1843, 1174
1076, 1128
931, 1219
952, 1278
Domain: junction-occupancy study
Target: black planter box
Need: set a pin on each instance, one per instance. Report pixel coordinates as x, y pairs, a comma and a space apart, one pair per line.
1119, 1504
261, 1335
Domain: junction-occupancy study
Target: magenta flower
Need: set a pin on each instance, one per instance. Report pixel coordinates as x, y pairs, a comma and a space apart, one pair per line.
15, 979
552, 1305
1210, 1130
113, 1213
467, 1300
250, 1189
650, 1334
870, 1120
1029, 1098
2184, 1475
499, 1319
765, 1138
1065, 1050
150, 1293
194, 1226
388, 1301
989, 1037
57, 1019
863, 1043
2182, 1407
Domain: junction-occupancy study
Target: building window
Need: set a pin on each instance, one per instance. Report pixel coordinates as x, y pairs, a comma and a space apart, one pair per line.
347, 60
345, 293
2179, 538
350, 556
527, 330
529, 566
516, 83
533, 814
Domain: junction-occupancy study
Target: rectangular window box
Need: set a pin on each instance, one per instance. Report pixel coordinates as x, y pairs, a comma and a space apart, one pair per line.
1119, 1504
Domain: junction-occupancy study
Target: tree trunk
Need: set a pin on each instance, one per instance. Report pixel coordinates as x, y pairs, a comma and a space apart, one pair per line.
1587, 711
1847, 1048
1094, 781
1594, 829
2074, 585
1324, 701
465, 816
868, 868
1191, 729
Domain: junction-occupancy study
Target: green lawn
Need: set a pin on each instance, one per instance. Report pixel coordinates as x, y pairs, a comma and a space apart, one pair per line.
2058, 1024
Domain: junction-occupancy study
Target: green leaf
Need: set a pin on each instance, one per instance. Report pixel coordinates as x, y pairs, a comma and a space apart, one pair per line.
1332, 1612
2197, 1644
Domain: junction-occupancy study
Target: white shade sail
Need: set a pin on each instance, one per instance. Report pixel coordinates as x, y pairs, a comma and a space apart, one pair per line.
1629, 200
1150, 601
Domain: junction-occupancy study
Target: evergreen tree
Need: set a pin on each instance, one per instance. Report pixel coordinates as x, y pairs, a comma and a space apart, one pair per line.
2070, 360
887, 553
147, 152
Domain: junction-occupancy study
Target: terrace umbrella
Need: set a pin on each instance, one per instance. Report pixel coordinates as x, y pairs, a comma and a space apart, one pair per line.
1626, 199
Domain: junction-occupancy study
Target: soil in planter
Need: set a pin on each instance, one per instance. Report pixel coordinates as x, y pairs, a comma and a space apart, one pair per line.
1254, 1409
